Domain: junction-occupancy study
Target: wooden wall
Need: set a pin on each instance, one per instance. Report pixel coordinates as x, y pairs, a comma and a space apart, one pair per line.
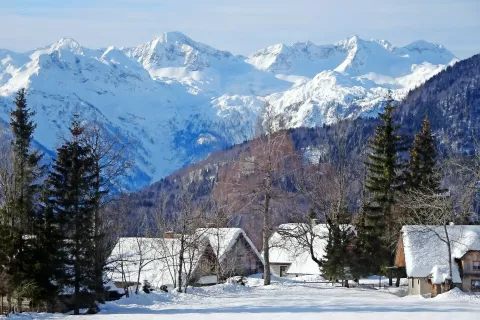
466, 265
400, 256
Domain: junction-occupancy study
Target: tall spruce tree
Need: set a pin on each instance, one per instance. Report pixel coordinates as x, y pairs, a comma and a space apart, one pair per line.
368, 250
21, 206
47, 258
423, 174
340, 239
73, 200
384, 179
105, 169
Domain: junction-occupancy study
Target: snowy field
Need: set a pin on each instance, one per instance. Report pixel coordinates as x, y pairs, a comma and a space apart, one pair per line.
287, 300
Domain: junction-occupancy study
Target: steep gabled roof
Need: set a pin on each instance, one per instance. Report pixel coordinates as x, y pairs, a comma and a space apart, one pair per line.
426, 252
223, 239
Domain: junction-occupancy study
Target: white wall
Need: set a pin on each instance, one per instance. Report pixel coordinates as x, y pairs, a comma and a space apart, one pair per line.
275, 268
418, 286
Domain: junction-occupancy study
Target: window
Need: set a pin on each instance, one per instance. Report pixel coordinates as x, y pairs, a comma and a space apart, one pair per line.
475, 285
476, 265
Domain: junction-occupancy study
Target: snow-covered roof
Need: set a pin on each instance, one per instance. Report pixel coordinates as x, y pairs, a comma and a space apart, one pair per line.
440, 274
426, 252
285, 249
159, 255
222, 240
281, 247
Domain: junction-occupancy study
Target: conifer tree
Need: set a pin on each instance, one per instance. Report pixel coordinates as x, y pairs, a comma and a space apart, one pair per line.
73, 201
366, 249
340, 239
47, 258
384, 179
20, 207
423, 174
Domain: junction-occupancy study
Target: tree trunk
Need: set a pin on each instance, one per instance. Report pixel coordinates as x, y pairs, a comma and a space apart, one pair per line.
19, 303
124, 280
450, 273
99, 289
266, 249
217, 266
312, 254
138, 278
9, 303
180, 264
76, 295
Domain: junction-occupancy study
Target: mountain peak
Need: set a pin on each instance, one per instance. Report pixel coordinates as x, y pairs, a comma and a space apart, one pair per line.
67, 44
431, 52
182, 90
353, 39
422, 45
172, 37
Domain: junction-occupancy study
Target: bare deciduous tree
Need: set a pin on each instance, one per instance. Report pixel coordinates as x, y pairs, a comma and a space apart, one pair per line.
181, 248
328, 186
428, 211
111, 164
259, 178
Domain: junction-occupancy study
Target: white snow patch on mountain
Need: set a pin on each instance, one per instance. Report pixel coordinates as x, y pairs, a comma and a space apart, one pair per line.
174, 100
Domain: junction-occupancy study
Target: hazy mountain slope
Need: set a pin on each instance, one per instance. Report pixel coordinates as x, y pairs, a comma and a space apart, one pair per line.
452, 102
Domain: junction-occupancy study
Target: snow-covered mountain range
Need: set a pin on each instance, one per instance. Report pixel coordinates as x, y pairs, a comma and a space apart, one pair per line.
174, 100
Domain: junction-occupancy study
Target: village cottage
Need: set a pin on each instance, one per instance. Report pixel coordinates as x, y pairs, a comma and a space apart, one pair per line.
288, 259
156, 260
424, 253
237, 255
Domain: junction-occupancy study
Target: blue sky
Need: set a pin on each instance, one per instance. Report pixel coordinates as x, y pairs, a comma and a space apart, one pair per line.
241, 26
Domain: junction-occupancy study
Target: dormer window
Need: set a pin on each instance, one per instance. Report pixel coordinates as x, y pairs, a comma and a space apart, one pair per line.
476, 265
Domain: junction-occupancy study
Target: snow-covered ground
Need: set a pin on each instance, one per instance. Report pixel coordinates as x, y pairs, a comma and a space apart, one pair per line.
284, 300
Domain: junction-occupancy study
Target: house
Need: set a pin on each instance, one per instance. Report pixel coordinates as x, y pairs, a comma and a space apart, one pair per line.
237, 255
288, 259
424, 253
156, 260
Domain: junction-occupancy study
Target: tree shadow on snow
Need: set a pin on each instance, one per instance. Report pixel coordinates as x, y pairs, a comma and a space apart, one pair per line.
354, 308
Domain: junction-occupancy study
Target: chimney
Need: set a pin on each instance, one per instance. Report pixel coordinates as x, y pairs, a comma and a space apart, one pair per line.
168, 234
211, 225
314, 222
